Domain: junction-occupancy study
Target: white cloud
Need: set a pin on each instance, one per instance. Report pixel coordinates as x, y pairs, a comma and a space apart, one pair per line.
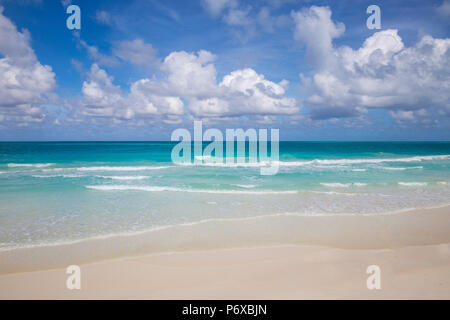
244, 92
137, 52
190, 77
145, 101
409, 116
101, 98
24, 82
383, 73
314, 28
193, 77
190, 74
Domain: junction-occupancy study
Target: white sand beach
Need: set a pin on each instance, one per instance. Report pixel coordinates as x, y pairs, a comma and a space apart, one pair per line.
283, 257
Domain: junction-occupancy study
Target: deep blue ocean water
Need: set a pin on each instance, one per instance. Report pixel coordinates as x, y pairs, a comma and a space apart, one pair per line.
53, 192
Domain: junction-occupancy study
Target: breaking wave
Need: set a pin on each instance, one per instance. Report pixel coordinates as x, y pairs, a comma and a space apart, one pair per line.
160, 189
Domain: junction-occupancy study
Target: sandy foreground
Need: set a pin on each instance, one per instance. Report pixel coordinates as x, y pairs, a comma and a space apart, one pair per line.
326, 260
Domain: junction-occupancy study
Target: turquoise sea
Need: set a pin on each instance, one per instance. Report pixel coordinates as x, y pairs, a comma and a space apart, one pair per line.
59, 192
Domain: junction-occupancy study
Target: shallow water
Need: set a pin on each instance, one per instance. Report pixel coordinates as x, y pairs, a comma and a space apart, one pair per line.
61, 192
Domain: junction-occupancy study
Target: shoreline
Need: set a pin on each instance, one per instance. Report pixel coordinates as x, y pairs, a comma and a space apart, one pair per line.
212, 220
345, 231
281, 257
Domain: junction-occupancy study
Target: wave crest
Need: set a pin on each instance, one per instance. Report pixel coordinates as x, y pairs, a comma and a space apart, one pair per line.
29, 165
160, 189
108, 168
124, 177
413, 184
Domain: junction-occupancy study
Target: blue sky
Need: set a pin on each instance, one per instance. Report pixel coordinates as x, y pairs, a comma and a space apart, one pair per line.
139, 69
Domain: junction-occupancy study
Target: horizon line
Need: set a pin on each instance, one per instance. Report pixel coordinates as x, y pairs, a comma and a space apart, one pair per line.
68, 141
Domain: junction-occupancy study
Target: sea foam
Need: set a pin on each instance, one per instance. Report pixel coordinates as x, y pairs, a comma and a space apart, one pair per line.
246, 186
57, 176
29, 165
124, 177
401, 168
160, 189
342, 185
108, 168
413, 184
320, 162
336, 185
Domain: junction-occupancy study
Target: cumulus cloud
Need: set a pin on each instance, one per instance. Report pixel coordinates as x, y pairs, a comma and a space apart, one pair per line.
25, 83
190, 74
314, 28
189, 77
147, 101
193, 77
382, 73
402, 116
245, 92
101, 98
